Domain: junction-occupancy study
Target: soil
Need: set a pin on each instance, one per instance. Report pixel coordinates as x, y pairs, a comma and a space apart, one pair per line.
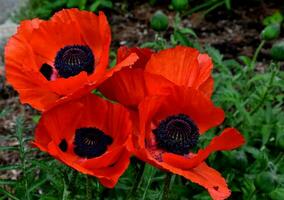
234, 33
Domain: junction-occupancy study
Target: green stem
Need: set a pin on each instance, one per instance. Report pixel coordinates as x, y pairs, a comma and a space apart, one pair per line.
199, 8
137, 180
256, 53
167, 184
265, 93
251, 194
88, 189
22, 151
213, 7
279, 159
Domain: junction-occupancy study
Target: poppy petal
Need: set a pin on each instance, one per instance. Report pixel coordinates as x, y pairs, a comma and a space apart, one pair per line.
229, 139
36, 44
116, 171
58, 130
87, 24
207, 87
144, 55
130, 86
181, 100
56, 36
209, 178
30, 90
127, 62
182, 65
201, 174
41, 139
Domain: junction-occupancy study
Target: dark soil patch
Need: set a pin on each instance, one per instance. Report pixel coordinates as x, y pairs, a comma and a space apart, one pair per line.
234, 32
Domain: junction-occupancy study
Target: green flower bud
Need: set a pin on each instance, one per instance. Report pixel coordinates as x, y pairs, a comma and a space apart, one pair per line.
277, 51
180, 5
270, 32
238, 160
159, 21
266, 182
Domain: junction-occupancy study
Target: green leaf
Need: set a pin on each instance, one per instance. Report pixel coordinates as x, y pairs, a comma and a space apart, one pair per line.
4, 112
100, 4
276, 18
7, 148
266, 132
182, 38
94, 7
148, 174
106, 4
81, 4
9, 167
7, 182
277, 194
36, 118
188, 31
8, 194
248, 189
246, 60
215, 54
37, 184
228, 4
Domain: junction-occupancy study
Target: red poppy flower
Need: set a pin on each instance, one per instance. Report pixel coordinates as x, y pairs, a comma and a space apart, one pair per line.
90, 135
167, 131
49, 60
182, 66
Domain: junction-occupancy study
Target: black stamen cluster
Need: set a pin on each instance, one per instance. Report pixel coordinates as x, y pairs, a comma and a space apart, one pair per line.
91, 142
73, 59
177, 134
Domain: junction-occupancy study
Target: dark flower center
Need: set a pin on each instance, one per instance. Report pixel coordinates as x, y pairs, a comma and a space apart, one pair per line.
46, 71
177, 134
63, 145
73, 59
91, 142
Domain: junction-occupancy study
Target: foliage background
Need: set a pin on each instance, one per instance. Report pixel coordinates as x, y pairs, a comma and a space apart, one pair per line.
249, 87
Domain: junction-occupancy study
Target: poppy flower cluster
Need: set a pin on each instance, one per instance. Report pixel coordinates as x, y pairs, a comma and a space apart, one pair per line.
155, 105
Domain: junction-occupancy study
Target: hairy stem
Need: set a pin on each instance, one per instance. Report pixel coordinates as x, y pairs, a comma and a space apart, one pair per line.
167, 184
140, 169
256, 53
88, 189
265, 93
